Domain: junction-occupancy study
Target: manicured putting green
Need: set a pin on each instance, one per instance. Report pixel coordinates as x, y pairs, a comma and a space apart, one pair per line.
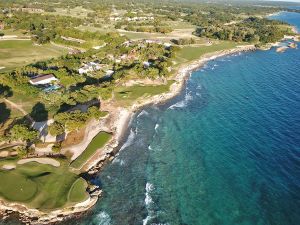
42, 186
98, 142
77, 192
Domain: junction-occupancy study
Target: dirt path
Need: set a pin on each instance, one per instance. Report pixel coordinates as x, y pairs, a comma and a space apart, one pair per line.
15, 106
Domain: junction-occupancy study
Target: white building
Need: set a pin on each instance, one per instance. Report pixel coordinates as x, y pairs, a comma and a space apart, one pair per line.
89, 67
109, 73
146, 64
43, 79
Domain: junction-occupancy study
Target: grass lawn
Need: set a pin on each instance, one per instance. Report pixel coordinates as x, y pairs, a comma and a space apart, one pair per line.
78, 12
42, 186
77, 192
98, 142
127, 95
104, 30
15, 53
18, 33
189, 53
140, 35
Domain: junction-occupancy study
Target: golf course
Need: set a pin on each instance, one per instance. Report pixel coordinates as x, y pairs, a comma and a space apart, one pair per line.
42, 186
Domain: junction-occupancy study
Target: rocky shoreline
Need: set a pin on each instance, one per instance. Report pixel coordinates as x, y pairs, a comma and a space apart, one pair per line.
116, 124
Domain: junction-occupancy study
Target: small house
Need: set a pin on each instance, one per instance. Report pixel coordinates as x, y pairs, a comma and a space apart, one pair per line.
146, 64
43, 79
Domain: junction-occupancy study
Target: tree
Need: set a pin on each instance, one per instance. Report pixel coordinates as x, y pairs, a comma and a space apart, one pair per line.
72, 120
56, 148
95, 113
56, 129
22, 151
39, 112
5, 91
23, 133
4, 112
31, 27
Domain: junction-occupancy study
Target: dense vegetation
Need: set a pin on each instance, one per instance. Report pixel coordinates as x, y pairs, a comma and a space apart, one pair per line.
252, 29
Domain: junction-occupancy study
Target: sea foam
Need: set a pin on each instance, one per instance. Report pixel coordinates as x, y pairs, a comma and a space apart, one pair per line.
181, 104
148, 202
103, 218
142, 113
129, 140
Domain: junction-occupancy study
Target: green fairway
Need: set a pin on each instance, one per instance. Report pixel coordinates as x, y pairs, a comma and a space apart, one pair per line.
16, 187
98, 142
42, 186
15, 53
126, 95
189, 53
139, 35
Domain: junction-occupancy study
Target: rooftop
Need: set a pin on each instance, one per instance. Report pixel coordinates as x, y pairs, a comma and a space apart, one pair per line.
42, 77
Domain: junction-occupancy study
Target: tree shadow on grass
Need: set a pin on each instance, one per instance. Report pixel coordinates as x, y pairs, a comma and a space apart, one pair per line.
4, 113
5, 91
39, 112
83, 107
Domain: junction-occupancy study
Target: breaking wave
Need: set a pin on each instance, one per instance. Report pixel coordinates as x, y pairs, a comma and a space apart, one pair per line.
121, 162
181, 104
129, 141
103, 218
144, 112
148, 202
156, 127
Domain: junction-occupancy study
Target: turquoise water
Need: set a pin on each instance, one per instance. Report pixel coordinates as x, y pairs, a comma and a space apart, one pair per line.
224, 152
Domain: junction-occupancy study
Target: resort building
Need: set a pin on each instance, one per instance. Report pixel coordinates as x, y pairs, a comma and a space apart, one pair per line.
89, 67
43, 79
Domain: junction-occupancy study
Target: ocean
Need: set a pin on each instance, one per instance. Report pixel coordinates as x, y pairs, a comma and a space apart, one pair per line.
226, 151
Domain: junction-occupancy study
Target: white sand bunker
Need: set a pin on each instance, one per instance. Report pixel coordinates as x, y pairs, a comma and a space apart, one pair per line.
4, 154
48, 161
8, 167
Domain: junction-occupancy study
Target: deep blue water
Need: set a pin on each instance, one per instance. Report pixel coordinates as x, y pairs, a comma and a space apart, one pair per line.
224, 152
291, 18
